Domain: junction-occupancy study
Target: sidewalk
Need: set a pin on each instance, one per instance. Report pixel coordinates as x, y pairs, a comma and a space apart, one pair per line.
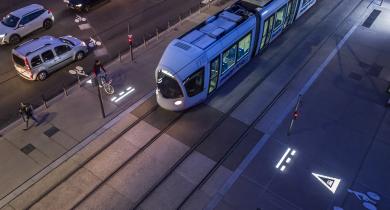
72, 122
342, 132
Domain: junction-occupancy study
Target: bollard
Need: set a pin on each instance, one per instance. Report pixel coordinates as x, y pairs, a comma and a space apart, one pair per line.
157, 33
65, 91
78, 78
120, 57
169, 24
144, 41
200, 7
180, 18
44, 101
190, 11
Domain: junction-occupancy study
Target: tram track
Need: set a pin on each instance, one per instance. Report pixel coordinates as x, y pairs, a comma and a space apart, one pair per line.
193, 148
241, 138
94, 155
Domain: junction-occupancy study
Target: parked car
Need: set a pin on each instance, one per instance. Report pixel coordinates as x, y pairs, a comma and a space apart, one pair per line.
82, 5
35, 59
23, 21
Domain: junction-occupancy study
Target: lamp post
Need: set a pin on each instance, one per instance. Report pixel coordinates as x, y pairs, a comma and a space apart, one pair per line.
99, 96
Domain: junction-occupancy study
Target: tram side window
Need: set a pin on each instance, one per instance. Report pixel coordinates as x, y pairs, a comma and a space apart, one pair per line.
229, 58
243, 46
279, 18
194, 84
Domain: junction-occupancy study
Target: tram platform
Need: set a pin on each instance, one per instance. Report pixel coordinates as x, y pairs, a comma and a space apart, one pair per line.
74, 121
341, 137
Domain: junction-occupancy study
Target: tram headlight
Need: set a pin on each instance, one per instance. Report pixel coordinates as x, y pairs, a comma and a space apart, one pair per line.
178, 103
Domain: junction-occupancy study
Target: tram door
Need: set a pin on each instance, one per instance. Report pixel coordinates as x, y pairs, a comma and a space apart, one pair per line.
267, 29
214, 72
292, 9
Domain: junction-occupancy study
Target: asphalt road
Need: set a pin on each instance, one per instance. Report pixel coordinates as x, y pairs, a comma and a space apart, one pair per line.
108, 22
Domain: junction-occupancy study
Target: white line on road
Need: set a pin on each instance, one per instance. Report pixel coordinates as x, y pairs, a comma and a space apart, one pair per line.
248, 159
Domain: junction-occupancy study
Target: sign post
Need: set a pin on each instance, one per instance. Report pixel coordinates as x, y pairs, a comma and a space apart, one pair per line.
295, 115
130, 40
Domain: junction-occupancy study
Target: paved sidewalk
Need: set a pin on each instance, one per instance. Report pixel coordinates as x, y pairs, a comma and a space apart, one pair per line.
71, 122
343, 130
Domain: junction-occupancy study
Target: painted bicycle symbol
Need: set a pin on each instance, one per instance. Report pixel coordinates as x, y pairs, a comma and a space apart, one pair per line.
79, 19
94, 43
369, 199
78, 71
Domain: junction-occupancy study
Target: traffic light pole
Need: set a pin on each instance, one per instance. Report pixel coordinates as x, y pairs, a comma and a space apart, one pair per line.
100, 97
295, 115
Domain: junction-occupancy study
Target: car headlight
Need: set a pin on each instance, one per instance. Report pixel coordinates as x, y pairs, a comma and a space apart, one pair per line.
79, 5
2, 35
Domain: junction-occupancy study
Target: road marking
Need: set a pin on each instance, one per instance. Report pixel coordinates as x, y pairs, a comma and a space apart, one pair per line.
260, 144
283, 157
329, 182
100, 52
289, 151
85, 26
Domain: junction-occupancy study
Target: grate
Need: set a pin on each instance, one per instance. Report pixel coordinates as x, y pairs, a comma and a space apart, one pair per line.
182, 46
51, 131
371, 18
355, 76
27, 149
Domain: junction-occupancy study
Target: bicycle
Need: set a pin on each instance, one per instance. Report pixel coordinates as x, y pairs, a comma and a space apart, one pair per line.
108, 88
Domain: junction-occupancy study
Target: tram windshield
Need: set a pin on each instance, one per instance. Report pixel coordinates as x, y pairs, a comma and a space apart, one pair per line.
168, 86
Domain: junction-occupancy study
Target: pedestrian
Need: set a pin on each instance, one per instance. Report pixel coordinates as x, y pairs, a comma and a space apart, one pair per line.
99, 71
26, 112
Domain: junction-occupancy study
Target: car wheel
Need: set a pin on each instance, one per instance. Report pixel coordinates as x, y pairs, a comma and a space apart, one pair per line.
42, 75
14, 39
79, 55
47, 24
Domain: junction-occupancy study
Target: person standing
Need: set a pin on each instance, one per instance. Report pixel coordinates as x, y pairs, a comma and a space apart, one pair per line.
26, 112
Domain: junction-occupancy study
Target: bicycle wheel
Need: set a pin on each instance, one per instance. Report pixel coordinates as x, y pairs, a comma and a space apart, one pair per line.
109, 89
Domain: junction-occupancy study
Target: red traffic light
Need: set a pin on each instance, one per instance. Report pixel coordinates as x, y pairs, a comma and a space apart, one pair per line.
295, 115
130, 38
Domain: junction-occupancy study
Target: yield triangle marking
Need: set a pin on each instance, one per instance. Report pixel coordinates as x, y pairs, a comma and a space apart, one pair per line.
329, 182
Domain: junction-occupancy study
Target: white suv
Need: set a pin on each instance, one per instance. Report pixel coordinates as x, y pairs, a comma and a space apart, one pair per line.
22, 22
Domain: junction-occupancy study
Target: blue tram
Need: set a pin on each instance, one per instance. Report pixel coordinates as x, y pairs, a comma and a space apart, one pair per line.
194, 65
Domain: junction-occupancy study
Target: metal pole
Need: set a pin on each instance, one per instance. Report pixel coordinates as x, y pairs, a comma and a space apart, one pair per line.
157, 33
65, 91
44, 101
131, 52
294, 117
78, 78
100, 97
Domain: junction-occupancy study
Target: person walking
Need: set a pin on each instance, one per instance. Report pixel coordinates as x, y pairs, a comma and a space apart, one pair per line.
26, 112
99, 72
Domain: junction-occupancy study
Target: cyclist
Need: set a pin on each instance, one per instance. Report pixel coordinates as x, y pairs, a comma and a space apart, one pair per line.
99, 72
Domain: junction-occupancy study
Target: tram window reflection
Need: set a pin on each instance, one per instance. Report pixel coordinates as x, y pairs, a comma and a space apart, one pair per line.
194, 83
229, 58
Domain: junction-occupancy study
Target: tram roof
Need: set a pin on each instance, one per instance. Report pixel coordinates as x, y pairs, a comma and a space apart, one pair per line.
214, 28
258, 3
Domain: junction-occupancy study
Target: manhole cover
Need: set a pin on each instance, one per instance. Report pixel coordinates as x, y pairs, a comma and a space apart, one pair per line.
355, 76
51, 131
27, 149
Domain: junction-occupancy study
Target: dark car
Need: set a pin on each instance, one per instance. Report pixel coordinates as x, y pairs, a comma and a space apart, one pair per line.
82, 5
